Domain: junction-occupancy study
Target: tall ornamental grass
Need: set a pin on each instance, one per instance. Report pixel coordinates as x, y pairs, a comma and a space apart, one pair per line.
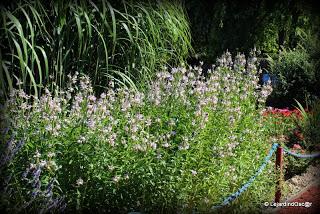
42, 42
185, 143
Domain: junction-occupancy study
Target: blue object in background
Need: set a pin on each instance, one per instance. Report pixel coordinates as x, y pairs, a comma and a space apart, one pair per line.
267, 77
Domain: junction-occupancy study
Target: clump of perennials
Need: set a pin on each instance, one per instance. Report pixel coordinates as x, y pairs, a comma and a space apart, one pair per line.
129, 150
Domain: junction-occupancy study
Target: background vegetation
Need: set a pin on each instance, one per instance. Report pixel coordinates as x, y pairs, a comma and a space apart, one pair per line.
287, 31
42, 42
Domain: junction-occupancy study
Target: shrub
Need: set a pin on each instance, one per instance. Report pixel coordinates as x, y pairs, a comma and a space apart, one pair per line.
310, 126
185, 142
309, 40
43, 42
295, 76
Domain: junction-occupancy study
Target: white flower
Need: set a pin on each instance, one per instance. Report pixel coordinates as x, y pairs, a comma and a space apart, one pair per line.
172, 123
52, 164
194, 172
138, 98
111, 84
51, 154
123, 141
116, 179
103, 95
32, 166
91, 123
79, 182
111, 142
157, 102
184, 146
125, 106
92, 98
49, 128
166, 145
148, 122
81, 139
25, 106
58, 127
43, 163
19, 82
139, 116
134, 128
134, 137
37, 155
153, 145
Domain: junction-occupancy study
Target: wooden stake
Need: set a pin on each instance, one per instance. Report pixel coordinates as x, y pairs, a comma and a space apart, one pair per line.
279, 160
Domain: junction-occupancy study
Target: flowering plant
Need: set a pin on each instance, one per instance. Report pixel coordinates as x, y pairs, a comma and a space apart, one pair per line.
186, 141
296, 129
285, 122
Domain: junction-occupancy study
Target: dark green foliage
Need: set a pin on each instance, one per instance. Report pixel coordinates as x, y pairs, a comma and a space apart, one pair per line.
310, 126
295, 76
311, 43
239, 26
43, 41
296, 71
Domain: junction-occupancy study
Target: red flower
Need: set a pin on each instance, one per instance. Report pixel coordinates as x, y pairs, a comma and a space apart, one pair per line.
296, 146
283, 112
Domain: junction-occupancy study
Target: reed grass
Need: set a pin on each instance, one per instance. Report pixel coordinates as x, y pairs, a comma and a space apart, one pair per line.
126, 42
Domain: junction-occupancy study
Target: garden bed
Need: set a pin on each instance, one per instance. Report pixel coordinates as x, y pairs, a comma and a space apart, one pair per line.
298, 183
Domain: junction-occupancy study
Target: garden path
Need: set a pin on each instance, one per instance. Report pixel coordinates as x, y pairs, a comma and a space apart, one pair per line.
309, 194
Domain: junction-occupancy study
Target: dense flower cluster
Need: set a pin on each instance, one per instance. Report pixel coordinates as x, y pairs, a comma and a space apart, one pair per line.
151, 144
282, 112
288, 116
